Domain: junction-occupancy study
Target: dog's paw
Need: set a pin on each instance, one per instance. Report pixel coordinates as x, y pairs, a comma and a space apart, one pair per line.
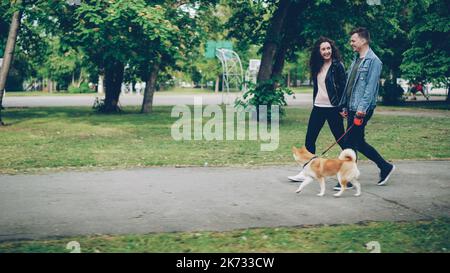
357, 194
337, 194
320, 194
298, 191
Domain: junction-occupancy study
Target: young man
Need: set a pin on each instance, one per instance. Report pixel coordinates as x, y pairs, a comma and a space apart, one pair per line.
359, 100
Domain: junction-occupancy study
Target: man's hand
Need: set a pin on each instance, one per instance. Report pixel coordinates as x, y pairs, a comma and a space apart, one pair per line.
360, 114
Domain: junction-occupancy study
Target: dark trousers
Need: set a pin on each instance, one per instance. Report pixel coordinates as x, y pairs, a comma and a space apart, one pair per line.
355, 139
316, 121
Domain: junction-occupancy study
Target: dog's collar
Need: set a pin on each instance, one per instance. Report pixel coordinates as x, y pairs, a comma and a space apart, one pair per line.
309, 161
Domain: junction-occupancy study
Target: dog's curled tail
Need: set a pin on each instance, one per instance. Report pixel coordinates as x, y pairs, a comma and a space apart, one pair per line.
348, 154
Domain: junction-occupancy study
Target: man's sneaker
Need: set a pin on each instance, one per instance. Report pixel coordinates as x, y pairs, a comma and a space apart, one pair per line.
338, 186
297, 178
385, 174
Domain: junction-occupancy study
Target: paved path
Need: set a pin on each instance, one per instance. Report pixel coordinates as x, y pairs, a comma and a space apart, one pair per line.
129, 100
193, 199
167, 100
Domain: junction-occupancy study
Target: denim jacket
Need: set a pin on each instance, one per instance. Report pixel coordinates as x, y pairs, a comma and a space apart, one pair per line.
365, 89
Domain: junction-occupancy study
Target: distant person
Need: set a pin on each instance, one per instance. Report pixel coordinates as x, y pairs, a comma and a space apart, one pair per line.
420, 88
417, 87
412, 89
360, 98
328, 74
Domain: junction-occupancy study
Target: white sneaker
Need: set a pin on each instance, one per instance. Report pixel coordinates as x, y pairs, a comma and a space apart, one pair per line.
297, 178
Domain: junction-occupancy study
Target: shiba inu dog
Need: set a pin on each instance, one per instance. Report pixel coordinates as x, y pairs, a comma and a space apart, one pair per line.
320, 168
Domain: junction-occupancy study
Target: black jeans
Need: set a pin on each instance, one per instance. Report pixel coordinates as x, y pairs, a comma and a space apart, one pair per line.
355, 139
316, 121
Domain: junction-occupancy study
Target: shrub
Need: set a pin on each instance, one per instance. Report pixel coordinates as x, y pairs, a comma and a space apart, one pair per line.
84, 88
391, 93
264, 94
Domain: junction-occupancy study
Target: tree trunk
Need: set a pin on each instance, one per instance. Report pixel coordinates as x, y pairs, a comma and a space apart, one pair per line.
150, 87
273, 38
394, 73
216, 88
45, 85
448, 93
80, 79
113, 83
279, 64
52, 86
295, 78
8, 54
287, 36
288, 79
279, 61
101, 86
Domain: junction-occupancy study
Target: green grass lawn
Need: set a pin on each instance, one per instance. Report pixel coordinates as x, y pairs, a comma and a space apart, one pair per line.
41, 139
76, 137
302, 89
418, 236
426, 105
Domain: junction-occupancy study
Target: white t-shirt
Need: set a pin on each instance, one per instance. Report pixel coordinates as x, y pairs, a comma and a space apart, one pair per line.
322, 99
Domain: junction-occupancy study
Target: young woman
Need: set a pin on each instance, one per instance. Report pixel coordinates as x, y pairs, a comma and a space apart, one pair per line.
328, 74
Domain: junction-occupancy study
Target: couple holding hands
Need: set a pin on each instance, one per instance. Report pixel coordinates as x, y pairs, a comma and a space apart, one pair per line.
338, 96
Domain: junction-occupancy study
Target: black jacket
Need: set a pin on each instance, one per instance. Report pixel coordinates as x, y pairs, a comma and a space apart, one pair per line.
334, 81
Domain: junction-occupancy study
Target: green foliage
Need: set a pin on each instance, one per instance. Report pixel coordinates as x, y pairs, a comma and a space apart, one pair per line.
5, 20
264, 94
249, 21
62, 63
59, 41
18, 72
204, 70
40, 134
137, 33
428, 58
388, 24
298, 67
119, 30
39, 44
84, 88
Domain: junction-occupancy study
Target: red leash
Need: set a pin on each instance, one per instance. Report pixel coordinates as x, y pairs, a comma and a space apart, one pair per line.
337, 141
358, 121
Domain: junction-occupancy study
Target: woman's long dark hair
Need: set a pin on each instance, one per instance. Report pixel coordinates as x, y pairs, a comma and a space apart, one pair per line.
316, 61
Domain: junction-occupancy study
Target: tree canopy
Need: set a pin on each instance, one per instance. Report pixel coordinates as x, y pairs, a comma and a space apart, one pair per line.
68, 42
428, 58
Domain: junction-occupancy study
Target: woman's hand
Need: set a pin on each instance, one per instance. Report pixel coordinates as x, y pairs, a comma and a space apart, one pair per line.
360, 114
